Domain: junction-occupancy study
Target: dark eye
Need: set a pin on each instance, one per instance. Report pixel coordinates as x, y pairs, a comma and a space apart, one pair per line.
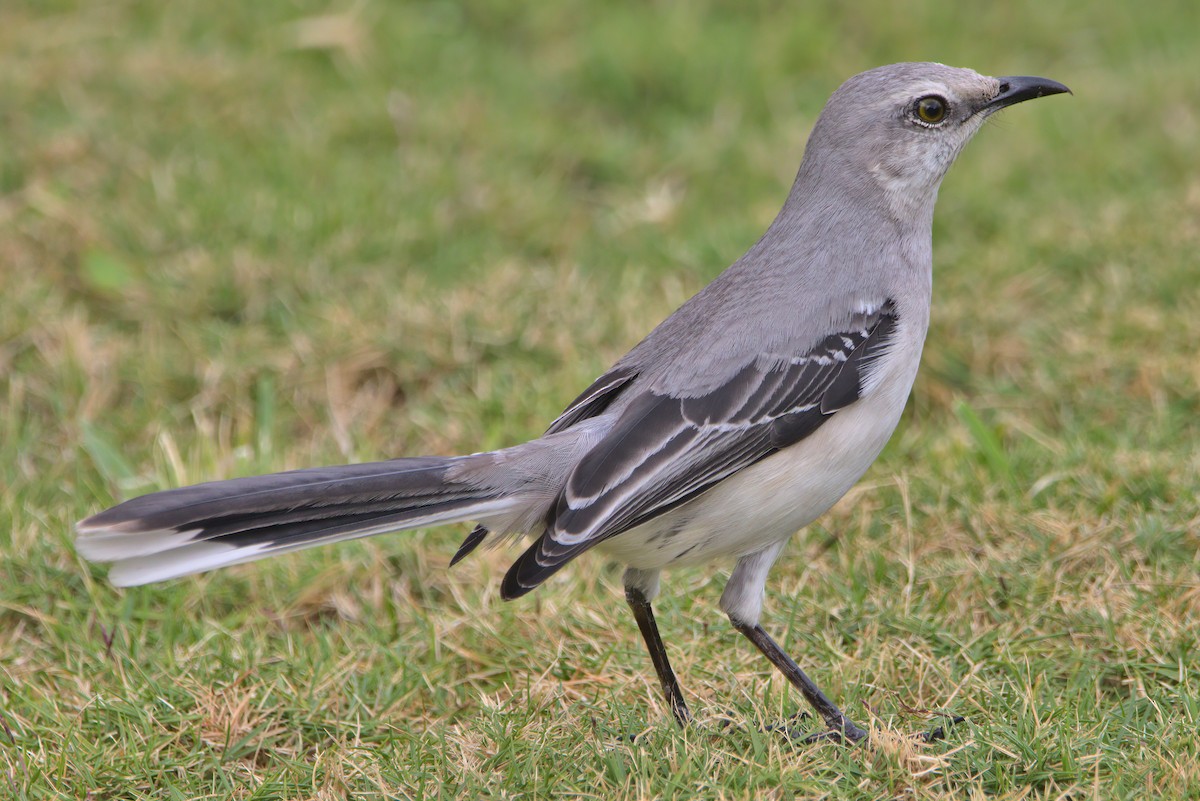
931, 109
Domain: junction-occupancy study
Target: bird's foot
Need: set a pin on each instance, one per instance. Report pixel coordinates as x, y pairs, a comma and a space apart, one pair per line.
846, 732
939, 732
849, 734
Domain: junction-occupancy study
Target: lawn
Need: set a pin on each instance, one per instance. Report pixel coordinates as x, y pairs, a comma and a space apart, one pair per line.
247, 237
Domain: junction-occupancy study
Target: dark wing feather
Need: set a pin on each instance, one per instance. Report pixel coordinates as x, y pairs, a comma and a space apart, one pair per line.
593, 401
666, 450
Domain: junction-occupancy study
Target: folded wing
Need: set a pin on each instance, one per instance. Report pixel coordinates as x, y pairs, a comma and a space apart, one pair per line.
666, 450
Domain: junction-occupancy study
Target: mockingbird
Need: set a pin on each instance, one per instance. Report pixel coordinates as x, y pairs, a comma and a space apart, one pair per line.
739, 420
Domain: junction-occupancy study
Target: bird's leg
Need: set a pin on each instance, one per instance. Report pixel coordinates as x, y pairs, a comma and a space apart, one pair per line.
643, 613
840, 726
742, 601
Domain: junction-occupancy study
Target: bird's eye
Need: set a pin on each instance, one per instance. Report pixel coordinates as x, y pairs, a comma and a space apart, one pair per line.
931, 109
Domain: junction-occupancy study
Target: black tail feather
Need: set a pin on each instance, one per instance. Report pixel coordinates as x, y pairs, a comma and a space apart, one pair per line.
195, 528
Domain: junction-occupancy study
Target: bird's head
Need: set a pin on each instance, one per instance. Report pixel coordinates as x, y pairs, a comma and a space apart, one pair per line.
899, 128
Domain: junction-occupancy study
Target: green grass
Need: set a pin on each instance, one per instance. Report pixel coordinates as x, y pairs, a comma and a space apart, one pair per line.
242, 237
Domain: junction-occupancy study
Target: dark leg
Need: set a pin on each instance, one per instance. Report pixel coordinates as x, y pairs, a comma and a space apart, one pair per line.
644, 615
840, 726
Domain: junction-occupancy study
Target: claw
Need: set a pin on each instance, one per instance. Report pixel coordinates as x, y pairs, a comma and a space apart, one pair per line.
852, 735
939, 733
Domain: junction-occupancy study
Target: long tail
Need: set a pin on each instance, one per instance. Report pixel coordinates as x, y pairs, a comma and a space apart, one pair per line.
206, 526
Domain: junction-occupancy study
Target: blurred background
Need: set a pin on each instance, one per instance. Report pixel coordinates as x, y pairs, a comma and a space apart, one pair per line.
246, 237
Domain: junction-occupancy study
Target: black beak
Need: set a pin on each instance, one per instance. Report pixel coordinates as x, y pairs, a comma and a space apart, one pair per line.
1019, 88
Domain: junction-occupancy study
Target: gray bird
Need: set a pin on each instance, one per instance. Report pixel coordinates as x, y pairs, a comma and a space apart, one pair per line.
739, 420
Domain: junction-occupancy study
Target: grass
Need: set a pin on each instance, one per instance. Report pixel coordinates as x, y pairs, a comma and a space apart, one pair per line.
244, 237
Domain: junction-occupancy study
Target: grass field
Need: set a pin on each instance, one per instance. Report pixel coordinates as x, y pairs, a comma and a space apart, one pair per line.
245, 237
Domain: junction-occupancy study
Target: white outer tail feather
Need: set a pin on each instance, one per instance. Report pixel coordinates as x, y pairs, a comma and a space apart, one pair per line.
145, 557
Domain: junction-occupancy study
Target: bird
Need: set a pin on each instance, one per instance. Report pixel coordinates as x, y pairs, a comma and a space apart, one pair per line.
738, 421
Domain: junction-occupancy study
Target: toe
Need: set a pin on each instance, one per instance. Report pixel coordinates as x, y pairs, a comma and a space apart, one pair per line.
939, 733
